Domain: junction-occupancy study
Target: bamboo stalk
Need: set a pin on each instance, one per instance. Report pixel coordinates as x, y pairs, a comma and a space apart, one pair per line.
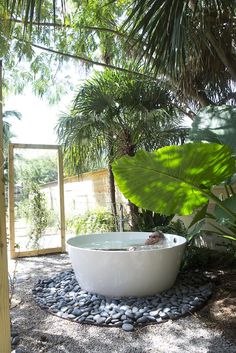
5, 333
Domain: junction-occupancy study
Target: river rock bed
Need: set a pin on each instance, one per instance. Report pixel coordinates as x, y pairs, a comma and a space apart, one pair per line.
62, 296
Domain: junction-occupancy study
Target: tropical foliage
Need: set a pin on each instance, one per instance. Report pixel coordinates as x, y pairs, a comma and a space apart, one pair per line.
215, 124
191, 42
7, 132
175, 173
46, 37
186, 175
116, 114
175, 180
8, 135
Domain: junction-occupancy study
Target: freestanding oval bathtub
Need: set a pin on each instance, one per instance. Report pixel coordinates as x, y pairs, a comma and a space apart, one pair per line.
103, 266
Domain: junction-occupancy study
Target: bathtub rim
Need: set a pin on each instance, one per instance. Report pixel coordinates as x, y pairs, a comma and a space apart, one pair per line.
175, 245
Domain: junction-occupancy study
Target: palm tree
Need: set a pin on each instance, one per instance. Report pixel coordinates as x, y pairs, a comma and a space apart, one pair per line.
7, 133
7, 136
191, 42
115, 115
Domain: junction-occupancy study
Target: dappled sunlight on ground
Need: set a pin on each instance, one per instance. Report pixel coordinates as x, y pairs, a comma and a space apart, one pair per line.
41, 332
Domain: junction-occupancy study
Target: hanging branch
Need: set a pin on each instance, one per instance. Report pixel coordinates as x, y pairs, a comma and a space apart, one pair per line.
63, 25
86, 60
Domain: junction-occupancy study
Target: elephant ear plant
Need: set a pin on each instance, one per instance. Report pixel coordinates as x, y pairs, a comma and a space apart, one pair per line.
179, 180
215, 124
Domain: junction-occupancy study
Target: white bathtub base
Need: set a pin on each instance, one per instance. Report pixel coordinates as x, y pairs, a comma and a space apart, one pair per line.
136, 273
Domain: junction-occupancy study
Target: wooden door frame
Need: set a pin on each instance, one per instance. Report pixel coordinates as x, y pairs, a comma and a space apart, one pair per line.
13, 251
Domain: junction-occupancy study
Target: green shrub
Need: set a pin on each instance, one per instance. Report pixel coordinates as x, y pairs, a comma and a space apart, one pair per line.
204, 258
97, 221
174, 227
36, 213
148, 221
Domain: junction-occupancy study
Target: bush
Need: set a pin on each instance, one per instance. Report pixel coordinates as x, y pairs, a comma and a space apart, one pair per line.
204, 258
174, 227
97, 221
36, 213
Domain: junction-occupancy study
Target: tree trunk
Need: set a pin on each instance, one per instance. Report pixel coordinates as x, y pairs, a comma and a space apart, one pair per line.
5, 336
129, 149
112, 190
134, 215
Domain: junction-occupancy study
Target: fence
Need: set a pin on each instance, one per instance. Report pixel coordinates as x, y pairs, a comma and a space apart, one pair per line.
83, 193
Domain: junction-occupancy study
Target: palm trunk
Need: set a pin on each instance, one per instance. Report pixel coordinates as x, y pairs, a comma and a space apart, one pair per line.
134, 213
112, 190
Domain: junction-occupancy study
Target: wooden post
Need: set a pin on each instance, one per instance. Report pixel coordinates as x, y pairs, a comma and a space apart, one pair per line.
61, 198
5, 333
11, 201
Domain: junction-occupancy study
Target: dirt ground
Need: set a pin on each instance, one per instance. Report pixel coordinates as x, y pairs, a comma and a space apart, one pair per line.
210, 330
220, 311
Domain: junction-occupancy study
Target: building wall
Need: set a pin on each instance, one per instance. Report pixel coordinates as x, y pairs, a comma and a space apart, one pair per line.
82, 193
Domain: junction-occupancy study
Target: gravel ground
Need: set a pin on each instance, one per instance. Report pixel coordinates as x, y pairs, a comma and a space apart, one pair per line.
41, 332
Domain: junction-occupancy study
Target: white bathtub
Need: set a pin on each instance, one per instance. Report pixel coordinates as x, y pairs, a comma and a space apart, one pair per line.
136, 273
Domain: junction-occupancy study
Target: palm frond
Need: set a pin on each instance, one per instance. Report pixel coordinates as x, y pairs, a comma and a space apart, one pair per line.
114, 114
173, 37
12, 114
83, 145
7, 131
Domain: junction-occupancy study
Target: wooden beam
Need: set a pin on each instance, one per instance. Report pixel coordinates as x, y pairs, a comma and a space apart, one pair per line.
5, 332
31, 146
38, 252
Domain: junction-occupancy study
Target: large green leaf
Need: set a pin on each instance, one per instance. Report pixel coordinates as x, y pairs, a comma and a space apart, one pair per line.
199, 215
230, 203
215, 124
174, 179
